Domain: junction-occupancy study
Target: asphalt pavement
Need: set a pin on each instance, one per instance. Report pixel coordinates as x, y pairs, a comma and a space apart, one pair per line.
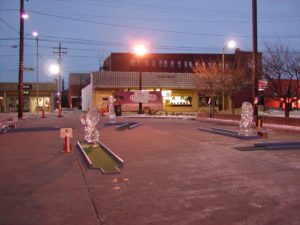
174, 174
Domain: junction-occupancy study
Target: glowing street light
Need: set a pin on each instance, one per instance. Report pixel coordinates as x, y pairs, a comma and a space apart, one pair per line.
55, 70
24, 15
140, 51
35, 34
231, 44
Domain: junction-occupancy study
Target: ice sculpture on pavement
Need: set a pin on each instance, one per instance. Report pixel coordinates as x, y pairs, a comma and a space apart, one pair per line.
111, 110
246, 120
90, 120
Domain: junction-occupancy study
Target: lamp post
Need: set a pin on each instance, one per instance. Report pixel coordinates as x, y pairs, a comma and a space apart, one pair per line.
35, 34
140, 51
230, 45
55, 70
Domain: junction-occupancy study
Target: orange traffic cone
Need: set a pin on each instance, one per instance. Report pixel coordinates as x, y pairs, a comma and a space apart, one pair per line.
43, 113
59, 112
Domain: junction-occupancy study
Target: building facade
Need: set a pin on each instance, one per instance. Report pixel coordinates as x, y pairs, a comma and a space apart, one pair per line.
171, 65
35, 98
77, 81
179, 92
174, 62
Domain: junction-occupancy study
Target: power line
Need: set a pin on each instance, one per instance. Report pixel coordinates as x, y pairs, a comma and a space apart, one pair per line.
154, 29
88, 42
3, 21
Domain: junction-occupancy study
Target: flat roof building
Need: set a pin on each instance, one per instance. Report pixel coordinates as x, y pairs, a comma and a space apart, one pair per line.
45, 99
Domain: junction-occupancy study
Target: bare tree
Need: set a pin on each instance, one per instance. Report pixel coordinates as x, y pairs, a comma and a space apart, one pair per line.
209, 81
235, 79
216, 79
281, 67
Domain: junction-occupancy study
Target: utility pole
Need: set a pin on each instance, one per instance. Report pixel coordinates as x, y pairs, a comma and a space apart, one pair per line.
21, 62
59, 51
254, 59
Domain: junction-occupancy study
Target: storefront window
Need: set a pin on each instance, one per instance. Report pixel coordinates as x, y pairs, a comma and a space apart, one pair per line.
40, 102
175, 100
46, 101
12, 104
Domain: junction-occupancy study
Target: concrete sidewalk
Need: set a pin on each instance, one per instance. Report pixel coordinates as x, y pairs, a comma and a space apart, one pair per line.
173, 174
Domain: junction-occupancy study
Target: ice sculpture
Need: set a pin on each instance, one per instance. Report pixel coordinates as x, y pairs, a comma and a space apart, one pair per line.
111, 110
246, 120
90, 120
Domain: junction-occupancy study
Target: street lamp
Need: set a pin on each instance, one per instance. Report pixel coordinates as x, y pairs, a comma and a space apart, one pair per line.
55, 70
230, 45
140, 51
35, 34
24, 15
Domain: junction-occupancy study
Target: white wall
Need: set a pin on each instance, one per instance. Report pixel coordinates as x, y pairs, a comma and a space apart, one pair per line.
87, 97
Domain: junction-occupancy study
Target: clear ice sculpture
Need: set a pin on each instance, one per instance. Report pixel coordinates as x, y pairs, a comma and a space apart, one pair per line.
111, 109
246, 120
90, 120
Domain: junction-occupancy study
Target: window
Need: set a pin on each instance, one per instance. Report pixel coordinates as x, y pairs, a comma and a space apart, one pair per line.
160, 63
190, 64
165, 63
179, 64
132, 62
146, 62
153, 63
185, 64
172, 63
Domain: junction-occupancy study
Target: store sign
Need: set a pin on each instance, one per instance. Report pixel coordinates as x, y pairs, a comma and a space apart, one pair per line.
140, 96
262, 85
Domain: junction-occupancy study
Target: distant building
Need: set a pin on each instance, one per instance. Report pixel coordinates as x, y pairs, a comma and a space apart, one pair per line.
178, 90
172, 62
9, 97
77, 81
171, 73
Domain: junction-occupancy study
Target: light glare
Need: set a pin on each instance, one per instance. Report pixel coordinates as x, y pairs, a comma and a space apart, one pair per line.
35, 34
231, 44
140, 50
54, 69
25, 15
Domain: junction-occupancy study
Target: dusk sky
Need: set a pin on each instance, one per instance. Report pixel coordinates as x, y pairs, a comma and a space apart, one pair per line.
92, 29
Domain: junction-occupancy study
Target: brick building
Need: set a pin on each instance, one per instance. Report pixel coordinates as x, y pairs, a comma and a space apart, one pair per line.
172, 62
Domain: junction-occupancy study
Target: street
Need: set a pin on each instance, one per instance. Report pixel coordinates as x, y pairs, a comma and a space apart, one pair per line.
173, 174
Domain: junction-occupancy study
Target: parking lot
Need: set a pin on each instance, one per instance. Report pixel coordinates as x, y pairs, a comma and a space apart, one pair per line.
173, 174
